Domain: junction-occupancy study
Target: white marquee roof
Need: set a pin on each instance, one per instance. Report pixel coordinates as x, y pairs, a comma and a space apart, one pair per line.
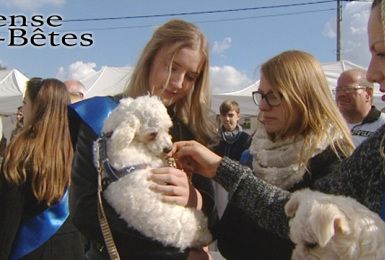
107, 81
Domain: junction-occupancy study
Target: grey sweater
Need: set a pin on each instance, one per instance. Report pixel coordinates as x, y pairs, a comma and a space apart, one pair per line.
360, 176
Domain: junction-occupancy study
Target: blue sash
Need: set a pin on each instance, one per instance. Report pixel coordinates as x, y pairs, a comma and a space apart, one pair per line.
93, 111
36, 231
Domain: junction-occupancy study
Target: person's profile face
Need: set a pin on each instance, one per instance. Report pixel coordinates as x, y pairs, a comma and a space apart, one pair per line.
274, 118
19, 114
27, 110
173, 77
376, 69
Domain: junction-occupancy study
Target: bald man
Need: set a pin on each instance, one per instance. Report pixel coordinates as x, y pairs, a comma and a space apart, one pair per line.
354, 97
76, 89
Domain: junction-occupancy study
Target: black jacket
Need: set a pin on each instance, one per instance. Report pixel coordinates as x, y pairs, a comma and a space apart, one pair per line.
239, 238
233, 150
83, 201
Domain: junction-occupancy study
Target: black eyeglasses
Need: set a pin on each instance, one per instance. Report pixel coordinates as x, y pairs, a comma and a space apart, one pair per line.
272, 99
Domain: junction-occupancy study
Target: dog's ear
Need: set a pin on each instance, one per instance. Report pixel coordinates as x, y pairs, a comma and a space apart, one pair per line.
292, 205
326, 220
341, 226
125, 132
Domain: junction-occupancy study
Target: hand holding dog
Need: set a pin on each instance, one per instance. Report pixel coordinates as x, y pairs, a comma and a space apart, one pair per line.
176, 187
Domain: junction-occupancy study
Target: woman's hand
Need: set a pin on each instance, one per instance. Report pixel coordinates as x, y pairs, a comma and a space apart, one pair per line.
192, 156
176, 187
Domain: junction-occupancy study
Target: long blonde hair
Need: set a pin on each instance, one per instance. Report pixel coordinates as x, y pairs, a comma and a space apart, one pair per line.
300, 79
194, 109
42, 151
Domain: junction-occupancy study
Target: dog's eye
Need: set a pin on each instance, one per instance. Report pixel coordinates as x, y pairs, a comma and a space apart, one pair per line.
152, 136
310, 245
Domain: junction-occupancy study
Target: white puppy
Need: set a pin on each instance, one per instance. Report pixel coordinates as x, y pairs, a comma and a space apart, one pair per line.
326, 227
138, 141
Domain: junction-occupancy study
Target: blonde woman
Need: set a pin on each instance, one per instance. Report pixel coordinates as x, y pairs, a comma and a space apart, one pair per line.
174, 67
360, 176
35, 176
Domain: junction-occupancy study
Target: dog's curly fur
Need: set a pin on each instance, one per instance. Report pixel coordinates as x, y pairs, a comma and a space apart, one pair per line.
140, 135
326, 227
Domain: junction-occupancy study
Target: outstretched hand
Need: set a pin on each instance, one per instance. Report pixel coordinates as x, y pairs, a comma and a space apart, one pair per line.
174, 184
192, 156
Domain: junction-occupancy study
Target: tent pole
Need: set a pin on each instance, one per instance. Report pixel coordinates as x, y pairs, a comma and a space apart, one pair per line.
339, 19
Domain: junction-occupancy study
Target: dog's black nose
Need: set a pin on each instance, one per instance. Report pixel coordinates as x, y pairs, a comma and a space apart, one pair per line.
167, 150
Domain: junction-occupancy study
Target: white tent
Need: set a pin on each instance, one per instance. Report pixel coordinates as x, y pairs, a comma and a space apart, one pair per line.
243, 97
107, 81
12, 86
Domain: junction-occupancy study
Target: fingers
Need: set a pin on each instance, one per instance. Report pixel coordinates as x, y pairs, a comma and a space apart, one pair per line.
169, 176
181, 201
184, 153
187, 165
167, 190
195, 157
185, 148
180, 144
173, 184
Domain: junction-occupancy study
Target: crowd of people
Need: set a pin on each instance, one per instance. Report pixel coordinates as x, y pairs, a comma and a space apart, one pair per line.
303, 138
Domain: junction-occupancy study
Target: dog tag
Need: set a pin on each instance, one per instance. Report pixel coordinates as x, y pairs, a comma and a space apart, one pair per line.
171, 162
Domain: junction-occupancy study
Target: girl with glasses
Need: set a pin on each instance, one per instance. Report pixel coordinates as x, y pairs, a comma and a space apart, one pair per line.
300, 137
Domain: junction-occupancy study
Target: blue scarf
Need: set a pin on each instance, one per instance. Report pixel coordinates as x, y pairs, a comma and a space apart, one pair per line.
36, 231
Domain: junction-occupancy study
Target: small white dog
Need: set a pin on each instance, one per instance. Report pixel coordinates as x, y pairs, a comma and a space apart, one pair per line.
326, 227
138, 141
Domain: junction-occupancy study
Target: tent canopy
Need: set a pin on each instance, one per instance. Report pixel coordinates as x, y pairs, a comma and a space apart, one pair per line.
107, 81
332, 71
12, 86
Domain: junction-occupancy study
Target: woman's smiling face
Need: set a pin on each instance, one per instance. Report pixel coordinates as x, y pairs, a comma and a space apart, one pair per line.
172, 78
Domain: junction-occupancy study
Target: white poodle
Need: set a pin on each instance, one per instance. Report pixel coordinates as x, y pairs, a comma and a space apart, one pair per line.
326, 227
138, 141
